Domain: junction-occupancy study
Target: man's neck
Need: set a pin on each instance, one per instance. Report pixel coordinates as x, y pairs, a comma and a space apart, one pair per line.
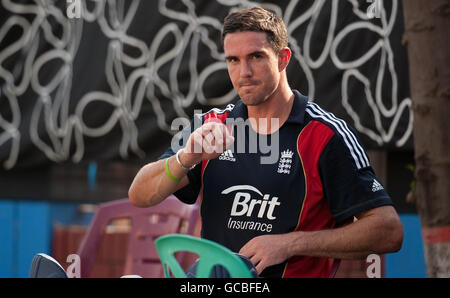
270, 115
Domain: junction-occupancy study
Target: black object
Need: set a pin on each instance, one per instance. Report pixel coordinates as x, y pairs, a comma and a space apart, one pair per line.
44, 266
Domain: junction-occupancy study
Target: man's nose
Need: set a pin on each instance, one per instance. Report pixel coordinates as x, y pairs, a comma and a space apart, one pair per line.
246, 70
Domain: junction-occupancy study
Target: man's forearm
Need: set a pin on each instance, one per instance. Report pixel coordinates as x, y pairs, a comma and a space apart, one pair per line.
327, 243
152, 184
370, 234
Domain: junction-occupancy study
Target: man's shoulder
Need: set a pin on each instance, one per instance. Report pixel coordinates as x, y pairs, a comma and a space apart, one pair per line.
316, 113
344, 134
338, 125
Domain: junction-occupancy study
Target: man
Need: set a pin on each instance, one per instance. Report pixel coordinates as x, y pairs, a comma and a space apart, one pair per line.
292, 216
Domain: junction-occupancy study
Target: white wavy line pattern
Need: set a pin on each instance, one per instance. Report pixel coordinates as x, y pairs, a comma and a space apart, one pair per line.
36, 22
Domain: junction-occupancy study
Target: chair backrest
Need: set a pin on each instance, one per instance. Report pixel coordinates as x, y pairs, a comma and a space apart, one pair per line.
169, 216
210, 254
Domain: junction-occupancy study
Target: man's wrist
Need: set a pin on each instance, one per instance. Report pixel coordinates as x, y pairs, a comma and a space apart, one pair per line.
295, 243
182, 162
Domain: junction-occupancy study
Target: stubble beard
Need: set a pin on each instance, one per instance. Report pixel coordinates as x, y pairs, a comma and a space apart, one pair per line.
256, 97
253, 99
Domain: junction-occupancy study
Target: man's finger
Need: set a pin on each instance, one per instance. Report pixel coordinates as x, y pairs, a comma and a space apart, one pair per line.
210, 124
260, 267
208, 143
255, 260
222, 132
247, 251
219, 136
229, 138
196, 145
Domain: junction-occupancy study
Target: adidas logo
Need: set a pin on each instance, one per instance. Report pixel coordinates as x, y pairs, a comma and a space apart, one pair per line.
376, 186
227, 155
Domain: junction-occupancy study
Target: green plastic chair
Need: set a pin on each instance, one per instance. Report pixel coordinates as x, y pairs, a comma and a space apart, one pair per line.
210, 254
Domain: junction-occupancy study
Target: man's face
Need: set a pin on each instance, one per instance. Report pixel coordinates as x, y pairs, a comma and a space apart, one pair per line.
253, 66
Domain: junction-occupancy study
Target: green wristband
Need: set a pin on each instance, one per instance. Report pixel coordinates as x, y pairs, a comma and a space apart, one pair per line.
169, 174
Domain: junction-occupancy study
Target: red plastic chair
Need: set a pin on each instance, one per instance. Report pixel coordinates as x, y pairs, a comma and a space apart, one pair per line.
147, 224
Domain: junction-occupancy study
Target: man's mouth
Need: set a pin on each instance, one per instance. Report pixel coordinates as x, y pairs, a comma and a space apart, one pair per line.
247, 84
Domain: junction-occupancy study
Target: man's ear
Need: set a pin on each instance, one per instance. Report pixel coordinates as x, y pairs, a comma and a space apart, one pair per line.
283, 58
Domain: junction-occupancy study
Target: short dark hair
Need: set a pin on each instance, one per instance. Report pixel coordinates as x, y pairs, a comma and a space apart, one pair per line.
257, 19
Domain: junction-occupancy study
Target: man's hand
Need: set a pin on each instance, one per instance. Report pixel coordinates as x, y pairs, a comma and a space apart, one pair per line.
206, 142
266, 250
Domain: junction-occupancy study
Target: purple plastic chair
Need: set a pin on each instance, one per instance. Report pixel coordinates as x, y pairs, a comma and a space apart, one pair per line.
147, 224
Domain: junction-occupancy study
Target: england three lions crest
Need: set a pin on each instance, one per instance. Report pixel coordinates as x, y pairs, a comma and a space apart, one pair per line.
285, 163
